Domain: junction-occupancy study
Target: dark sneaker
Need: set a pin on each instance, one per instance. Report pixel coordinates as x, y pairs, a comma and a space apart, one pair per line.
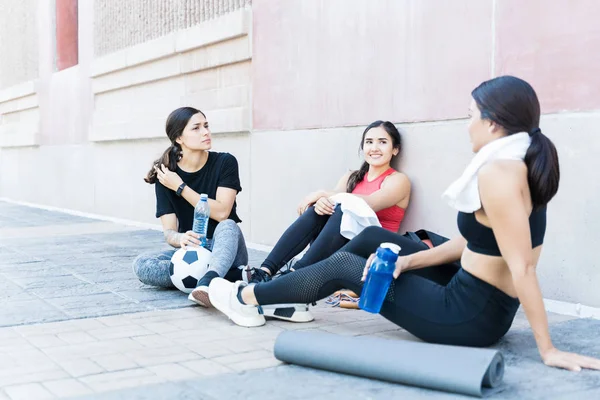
259, 275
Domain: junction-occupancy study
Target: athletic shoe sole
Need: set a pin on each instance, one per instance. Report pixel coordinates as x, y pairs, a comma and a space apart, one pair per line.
288, 312
200, 297
241, 320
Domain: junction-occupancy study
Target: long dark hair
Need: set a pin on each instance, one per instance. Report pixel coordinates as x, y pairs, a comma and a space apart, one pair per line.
359, 175
512, 103
176, 123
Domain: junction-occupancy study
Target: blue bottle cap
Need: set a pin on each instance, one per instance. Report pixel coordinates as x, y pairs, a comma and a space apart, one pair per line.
386, 254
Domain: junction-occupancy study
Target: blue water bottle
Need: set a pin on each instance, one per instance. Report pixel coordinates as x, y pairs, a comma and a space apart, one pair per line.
379, 278
201, 216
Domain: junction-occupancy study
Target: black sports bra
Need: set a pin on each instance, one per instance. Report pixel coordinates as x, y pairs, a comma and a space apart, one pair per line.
481, 239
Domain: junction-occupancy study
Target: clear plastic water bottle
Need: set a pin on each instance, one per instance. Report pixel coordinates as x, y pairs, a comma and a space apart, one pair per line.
379, 278
201, 216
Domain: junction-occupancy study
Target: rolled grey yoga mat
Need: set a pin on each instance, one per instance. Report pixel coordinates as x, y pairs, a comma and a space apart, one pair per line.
464, 370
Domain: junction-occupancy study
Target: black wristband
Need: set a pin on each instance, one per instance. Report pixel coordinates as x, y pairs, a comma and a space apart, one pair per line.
180, 189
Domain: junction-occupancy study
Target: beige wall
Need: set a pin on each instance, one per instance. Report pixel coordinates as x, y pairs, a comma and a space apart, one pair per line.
18, 42
119, 24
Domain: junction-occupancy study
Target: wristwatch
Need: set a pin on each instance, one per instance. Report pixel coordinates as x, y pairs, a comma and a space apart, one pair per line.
180, 189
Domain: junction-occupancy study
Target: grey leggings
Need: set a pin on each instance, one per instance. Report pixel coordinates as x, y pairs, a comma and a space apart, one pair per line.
228, 252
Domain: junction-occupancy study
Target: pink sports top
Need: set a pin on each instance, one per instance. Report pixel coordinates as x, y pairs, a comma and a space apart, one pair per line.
391, 217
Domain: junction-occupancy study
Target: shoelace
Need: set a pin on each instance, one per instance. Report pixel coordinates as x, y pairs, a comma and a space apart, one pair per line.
259, 275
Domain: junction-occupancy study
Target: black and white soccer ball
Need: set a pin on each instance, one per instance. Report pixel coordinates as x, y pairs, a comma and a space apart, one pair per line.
188, 266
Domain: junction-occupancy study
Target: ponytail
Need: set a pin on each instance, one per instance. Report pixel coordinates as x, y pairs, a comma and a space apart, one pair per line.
169, 158
357, 176
543, 172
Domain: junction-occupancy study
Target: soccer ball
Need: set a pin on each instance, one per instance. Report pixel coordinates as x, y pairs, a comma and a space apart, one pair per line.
188, 266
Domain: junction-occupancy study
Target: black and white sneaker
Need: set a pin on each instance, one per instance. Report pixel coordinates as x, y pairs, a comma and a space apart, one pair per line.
288, 312
255, 275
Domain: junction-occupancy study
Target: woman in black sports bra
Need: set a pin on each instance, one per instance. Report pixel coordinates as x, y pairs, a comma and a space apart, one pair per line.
434, 297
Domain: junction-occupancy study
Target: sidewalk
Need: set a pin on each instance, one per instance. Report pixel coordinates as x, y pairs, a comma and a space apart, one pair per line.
76, 322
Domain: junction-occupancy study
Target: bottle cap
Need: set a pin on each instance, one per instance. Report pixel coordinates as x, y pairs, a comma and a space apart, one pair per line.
392, 246
203, 196
387, 254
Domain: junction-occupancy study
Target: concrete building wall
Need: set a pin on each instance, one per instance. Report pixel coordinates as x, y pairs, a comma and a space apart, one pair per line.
288, 87
119, 24
18, 42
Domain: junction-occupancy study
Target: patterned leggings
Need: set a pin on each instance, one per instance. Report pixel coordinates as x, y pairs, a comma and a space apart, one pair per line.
228, 254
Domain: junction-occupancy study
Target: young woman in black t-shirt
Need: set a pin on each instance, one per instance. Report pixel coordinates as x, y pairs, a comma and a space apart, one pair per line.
185, 170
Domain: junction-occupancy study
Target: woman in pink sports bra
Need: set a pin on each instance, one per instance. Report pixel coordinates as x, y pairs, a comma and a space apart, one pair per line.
385, 190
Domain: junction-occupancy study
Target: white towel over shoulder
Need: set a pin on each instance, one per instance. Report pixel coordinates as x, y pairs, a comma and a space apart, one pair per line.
357, 214
463, 194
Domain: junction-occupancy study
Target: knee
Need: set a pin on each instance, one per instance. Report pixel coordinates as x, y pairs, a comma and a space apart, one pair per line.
310, 213
369, 231
227, 225
140, 265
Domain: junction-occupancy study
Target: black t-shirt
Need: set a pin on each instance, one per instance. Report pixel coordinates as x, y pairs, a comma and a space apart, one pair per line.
220, 170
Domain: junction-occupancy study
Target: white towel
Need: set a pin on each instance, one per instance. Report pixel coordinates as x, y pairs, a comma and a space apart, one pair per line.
463, 194
357, 214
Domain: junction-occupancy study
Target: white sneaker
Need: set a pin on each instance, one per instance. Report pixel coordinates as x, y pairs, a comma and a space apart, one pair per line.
288, 312
223, 296
200, 296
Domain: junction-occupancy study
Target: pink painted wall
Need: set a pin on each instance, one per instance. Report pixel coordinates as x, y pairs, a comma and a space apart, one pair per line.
555, 45
66, 33
327, 63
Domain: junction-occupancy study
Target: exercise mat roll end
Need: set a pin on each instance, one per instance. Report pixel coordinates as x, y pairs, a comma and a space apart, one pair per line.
455, 369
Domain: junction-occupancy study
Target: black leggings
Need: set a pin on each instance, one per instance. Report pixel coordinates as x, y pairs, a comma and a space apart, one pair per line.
322, 232
443, 304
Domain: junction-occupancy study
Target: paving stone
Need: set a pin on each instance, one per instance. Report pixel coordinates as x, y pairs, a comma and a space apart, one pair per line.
172, 372
114, 362
206, 367
43, 341
125, 331
67, 387
165, 355
80, 367
76, 337
28, 391
27, 311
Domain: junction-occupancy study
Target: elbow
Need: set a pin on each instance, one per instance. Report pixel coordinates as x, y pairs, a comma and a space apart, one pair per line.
220, 216
523, 272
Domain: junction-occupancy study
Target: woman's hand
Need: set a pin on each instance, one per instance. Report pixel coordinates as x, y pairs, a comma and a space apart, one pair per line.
401, 265
307, 202
168, 178
190, 238
570, 361
367, 266
324, 206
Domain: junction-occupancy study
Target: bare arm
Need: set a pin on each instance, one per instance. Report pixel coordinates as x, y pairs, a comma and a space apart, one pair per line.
220, 208
442, 254
502, 199
312, 198
445, 253
503, 203
169, 223
394, 189
173, 237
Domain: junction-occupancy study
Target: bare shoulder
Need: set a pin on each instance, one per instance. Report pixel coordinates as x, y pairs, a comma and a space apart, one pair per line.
397, 179
503, 177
